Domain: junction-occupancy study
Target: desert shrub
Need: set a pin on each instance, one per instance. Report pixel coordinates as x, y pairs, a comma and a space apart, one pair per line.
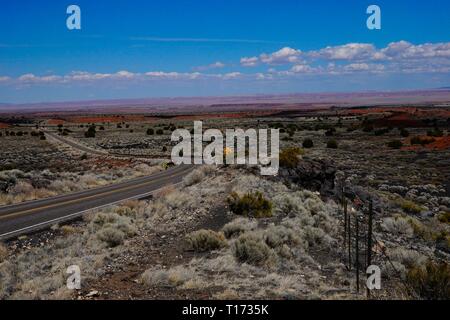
277, 236
317, 237
250, 204
42, 138
409, 206
431, 282
368, 128
150, 132
167, 278
308, 143
408, 258
397, 225
436, 132
395, 144
289, 158
404, 133
67, 230
193, 177
251, 249
444, 217
160, 131
84, 156
380, 132
3, 252
112, 228
238, 227
205, 240
112, 236
332, 144
90, 133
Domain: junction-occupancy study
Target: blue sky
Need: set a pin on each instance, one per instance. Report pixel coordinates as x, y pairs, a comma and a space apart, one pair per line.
136, 49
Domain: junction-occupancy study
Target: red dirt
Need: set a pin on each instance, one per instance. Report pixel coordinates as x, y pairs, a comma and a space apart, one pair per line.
56, 121
440, 143
4, 125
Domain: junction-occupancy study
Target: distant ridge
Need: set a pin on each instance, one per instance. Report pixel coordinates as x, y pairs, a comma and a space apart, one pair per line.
237, 103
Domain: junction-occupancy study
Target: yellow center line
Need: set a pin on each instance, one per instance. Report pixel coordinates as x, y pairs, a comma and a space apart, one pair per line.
81, 199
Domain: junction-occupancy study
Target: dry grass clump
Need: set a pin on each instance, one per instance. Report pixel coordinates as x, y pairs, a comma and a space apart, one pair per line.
444, 217
197, 175
401, 260
250, 204
113, 237
112, 228
290, 157
67, 230
205, 240
431, 282
3, 252
238, 226
409, 206
172, 277
398, 225
251, 248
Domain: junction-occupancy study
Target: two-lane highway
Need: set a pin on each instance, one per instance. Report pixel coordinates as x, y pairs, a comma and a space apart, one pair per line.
33, 215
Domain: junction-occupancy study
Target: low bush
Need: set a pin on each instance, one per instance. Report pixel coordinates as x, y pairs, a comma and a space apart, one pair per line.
250, 204
90, 133
290, 157
431, 282
395, 144
308, 143
332, 144
238, 227
444, 217
404, 133
205, 240
436, 132
251, 249
112, 236
409, 206
398, 225
150, 132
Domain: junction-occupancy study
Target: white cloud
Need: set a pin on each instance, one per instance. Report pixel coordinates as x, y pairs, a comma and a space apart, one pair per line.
249, 62
350, 51
282, 56
4, 78
172, 75
406, 50
231, 75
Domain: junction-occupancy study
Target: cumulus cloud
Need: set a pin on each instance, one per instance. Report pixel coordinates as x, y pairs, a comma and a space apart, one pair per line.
231, 75
399, 57
406, 50
172, 75
249, 62
282, 56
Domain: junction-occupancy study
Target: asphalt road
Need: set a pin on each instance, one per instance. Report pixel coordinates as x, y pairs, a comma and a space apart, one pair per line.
34, 215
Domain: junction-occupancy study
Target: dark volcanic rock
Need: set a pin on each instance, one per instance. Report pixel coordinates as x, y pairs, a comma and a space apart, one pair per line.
312, 174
